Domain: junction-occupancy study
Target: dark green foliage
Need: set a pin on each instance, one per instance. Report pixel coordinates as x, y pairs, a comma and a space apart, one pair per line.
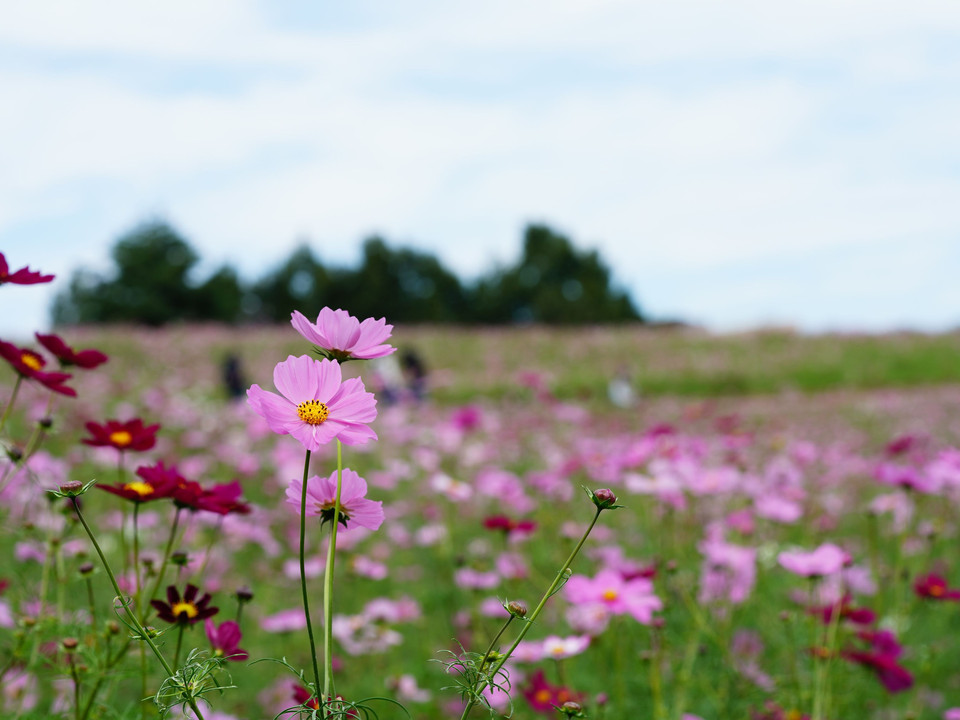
149, 286
552, 283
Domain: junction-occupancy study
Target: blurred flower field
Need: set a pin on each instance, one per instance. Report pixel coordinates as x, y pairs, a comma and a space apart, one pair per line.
782, 553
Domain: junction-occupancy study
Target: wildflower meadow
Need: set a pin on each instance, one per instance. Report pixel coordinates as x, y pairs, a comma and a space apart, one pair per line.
498, 536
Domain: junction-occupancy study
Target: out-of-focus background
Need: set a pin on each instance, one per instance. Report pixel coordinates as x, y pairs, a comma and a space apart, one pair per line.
730, 165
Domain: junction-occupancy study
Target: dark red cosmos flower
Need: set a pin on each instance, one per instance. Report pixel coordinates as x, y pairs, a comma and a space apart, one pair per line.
23, 276
225, 640
221, 499
186, 610
86, 359
509, 525
155, 482
130, 435
858, 616
29, 365
934, 587
882, 659
224, 499
544, 697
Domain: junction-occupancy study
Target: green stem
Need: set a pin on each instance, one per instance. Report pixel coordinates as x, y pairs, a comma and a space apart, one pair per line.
176, 653
163, 565
131, 615
10, 402
303, 572
328, 687
561, 576
76, 688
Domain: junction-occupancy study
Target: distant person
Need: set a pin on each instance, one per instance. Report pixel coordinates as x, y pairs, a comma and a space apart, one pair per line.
388, 379
415, 373
233, 380
620, 390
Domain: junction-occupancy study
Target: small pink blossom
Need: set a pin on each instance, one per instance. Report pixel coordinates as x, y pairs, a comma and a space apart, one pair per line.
340, 336
559, 648
284, 621
355, 508
633, 597
825, 560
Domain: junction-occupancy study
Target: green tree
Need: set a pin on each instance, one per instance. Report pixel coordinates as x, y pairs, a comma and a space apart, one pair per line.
552, 283
403, 285
149, 284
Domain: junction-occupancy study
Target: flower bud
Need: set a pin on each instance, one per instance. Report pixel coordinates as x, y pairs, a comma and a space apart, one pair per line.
15, 454
86, 570
45, 422
69, 644
180, 558
244, 594
571, 709
516, 608
71, 489
604, 498
113, 627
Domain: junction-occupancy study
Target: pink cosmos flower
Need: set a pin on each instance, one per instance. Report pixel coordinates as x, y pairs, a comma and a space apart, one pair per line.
340, 336
558, 648
608, 588
355, 508
825, 560
315, 404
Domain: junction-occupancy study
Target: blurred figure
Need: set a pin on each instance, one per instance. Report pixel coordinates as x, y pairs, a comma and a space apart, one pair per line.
387, 379
233, 380
415, 373
620, 389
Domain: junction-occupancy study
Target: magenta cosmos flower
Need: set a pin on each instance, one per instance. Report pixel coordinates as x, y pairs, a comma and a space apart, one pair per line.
355, 508
315, 404
23, 276
340, 336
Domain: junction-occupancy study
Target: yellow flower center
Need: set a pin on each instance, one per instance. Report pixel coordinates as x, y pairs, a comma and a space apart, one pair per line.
184, 607
936, 590
31, 361
139, 487
312, 412
610, 595
542, 696
120, 438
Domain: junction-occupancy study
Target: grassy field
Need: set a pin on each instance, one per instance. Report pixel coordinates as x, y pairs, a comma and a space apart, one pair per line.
777, 443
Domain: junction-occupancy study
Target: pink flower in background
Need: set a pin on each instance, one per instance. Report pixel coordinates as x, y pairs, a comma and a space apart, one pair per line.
284, 621
825, 560
340, 336
315, 404
633, 597
355, 508
559, 648
729, 571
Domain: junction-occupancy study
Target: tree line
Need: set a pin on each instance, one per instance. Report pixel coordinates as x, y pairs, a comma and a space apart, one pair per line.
553, 282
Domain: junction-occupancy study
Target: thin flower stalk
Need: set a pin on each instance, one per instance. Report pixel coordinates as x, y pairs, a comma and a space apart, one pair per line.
328, 687
132, 616
303, 572
163, 565
560, 578
10, 402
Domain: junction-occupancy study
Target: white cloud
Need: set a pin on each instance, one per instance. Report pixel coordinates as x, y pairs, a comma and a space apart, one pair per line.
677, 136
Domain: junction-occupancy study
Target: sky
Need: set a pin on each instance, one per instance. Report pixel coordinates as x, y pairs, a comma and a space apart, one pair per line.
737, 164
